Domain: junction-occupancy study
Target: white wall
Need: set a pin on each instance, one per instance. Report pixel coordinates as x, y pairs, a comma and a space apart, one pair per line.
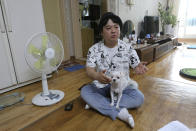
137, 12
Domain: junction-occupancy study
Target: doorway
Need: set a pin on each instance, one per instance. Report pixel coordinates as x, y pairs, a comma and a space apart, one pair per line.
80, 20
90, 12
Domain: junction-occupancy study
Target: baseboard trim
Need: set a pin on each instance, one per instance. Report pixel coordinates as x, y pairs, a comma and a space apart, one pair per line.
22, 84
188, 40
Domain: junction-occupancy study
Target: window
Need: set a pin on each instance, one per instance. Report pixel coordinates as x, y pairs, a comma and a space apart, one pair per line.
187, 18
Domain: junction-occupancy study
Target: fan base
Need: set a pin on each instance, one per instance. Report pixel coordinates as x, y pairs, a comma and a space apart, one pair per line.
46, 100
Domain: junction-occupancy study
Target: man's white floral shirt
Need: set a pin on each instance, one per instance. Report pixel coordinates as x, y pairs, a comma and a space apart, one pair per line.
124, 57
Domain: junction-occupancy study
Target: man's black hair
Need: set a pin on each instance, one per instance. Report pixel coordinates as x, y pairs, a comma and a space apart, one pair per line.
105, 17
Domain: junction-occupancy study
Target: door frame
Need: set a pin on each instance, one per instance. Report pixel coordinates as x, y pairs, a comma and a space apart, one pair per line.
76, 32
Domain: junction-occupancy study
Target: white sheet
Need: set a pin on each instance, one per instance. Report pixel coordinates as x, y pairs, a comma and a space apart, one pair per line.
174, 126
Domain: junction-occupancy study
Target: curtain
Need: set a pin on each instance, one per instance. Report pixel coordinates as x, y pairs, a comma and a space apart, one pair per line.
191, 13
175, 4
187, 19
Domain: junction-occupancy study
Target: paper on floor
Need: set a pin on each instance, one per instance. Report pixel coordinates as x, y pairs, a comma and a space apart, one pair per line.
175, 126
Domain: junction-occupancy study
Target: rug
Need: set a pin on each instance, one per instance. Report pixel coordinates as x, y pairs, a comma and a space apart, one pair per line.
74, 68
188, 72
191, 47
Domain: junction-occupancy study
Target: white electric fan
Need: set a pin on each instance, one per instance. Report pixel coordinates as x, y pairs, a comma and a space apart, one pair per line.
44, 54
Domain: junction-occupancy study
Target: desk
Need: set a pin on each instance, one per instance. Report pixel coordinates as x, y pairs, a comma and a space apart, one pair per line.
145, 52
151, 52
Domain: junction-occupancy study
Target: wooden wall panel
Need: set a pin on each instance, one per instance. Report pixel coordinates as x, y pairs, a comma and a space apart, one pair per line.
76, 29
54, 21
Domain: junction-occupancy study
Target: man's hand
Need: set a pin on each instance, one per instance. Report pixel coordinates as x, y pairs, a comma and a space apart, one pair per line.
101, 77
141, 68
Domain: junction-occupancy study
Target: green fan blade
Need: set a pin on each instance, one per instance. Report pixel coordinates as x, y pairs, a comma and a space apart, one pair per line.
53, 62
39, 64
57, 48
44, 42
34, 51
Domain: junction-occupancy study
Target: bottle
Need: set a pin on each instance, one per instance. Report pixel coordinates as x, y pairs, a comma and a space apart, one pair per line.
138, 40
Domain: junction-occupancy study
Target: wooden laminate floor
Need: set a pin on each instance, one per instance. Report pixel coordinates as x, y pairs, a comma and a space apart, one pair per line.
165, 101
168, 97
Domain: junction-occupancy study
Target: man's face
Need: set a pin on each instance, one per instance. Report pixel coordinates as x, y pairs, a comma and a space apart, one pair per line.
111, 32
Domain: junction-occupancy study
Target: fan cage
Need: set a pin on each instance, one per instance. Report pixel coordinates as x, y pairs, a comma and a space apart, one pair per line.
51, 38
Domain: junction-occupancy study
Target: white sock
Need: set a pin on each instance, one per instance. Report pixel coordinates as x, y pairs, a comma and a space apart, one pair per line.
125, 116
87, 107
